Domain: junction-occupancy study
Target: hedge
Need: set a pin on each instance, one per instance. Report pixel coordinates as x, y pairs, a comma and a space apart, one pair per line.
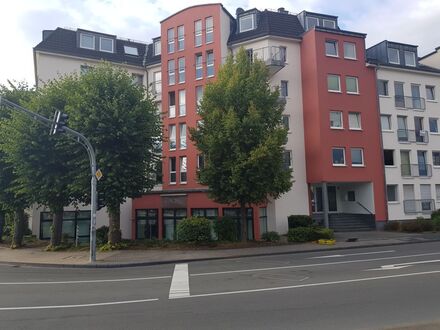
194, 229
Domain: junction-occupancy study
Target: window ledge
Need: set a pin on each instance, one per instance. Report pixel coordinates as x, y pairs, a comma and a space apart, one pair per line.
334, 56
183, 182
385, 96
387, 131
393, 202
350, 58
432, 101
172, 183
434, 133
354, 165
339, 165
337, 128
332, 91
356, 129
390, 166
353, 93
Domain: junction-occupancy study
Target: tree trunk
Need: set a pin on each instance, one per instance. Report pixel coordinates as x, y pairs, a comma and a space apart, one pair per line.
2, 224
114, 230
243, 222
19, 222
57, 226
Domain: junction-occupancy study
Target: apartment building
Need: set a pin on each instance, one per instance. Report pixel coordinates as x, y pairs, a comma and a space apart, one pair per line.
409, 110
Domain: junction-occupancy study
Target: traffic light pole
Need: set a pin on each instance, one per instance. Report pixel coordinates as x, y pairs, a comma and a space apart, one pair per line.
92, 157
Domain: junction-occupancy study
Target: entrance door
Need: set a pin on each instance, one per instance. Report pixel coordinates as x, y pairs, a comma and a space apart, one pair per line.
418, 127
425, 195
332, 200
405, 162
416, 100
402, 129
399, 94
421, 159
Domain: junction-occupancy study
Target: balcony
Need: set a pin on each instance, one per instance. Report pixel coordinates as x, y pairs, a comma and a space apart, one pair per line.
156, 87
407, 135
409, 102
274, 57
412, 206
416, 170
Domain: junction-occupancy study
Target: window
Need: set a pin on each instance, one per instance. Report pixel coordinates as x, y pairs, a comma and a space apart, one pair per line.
312, 22
106, 45
329, 24
382, 87
199, 96
430, 92
182, 103
138, 79
385, 122
157, 83
263, 220
171, 72
357, 157
393, 56
250, 54
354, 120
392, 193
130, 50
200, 161
197, 33
170, 35
410, 58
209, 25
146, 223
172, 132
287, 159
338, 156
333, 83
351, 196
181, 63
331, 48
436, 158
199, 66
350, 50
433, 125
172, 104
388, 156
180, 38
182, 129
210, 64
76, 225
183, 177
156, 45
352, 85
437, 191
247, 22
286, 119
284, 91
87, 41
336, 119
172, 170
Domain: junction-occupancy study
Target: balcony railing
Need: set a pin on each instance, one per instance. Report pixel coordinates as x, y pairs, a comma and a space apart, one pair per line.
407, 135
411, 206
409, 102
416, 170
273, 56
156, 87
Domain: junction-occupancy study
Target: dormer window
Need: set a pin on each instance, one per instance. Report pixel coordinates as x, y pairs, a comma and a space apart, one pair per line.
156, 47
106, 44
247, 23
312, 22
410, 58
130, 50
393, 56
87, 41
329, 24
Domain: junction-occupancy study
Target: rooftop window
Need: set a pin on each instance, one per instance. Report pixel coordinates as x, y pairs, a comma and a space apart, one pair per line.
247, 23
106, 44
312, 22
410, 58
130, 50
156, 46
330, 24
393, 56
87, 41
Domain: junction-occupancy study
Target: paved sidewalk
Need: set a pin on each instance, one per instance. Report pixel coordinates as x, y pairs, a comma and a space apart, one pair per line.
36, 256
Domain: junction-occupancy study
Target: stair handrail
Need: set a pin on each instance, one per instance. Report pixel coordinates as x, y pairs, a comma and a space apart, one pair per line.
365, 208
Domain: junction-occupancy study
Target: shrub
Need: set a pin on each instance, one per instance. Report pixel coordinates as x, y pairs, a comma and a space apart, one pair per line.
110, 247
416, 226
301, 234
392, 226
194, 229
226, 229
299, 221
102, 235
435, 218
270, 236
324, 233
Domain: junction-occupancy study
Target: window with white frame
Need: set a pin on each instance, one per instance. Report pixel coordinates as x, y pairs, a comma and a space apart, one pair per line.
199, 96
357, 157
183, 169
287, 159
106, 44
210, 63
385, 122
354, 121
171, 72
351, 84
392, 193
181, 65
436, 158
247, 22
329, 24
172, 104
312, 22
131, 50
382, 87
393, 55
198, 33
199, 66
437, 191
333, 83
172, 132
157, 83
285, 120
170, 35
331, 48
284, 88
350, 50
87, 41
182, 103
182, 136
433, 125
172, 170
410, 58
180, 37
336, 119
430, 92
338, 156
209, 26
156, 46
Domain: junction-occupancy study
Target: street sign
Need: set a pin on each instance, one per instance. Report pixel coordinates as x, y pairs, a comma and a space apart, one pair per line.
99, 174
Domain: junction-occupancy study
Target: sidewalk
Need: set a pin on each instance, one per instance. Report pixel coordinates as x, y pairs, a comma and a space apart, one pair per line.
36, 256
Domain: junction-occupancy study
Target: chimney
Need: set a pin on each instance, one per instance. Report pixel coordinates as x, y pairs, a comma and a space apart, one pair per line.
239, 11
46, 34
282, 10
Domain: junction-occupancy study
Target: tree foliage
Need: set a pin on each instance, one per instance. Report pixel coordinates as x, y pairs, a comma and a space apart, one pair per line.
242, 136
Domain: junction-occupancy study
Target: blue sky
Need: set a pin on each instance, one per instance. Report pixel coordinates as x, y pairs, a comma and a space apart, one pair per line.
414, 22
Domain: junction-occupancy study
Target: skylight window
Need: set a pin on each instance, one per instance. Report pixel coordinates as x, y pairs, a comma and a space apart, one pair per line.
330, 24
312, 22
87, 41
130, 50
106, 45
247, 23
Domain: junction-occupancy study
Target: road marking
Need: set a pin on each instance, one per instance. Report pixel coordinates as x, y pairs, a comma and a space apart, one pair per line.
311, 284
78, 306
180, 283
312, 265
351, 254
87, 281
404, 265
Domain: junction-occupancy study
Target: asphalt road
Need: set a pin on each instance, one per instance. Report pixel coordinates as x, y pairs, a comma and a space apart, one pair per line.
371, 288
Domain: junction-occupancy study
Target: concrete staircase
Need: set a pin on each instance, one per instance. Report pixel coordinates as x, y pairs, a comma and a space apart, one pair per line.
347, 222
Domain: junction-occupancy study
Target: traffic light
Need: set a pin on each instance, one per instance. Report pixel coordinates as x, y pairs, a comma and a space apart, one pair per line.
100, 200
59, 122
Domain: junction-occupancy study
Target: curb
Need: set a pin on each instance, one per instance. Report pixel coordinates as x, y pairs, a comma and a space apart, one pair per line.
174, 261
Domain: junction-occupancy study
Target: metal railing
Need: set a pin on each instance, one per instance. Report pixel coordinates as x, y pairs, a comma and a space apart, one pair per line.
416, 170
408, 135
156, 87
411, 206
409, 102
271, 55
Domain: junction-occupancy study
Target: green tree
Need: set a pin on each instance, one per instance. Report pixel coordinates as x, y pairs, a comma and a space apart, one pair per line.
242, 137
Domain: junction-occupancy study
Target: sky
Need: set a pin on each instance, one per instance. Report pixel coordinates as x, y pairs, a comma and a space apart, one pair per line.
414, 22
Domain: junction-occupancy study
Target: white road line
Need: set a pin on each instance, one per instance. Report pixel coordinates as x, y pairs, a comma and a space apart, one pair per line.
404, 265
311, 285
312, 265
87, 281
180, 283
78, 306
351, 254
